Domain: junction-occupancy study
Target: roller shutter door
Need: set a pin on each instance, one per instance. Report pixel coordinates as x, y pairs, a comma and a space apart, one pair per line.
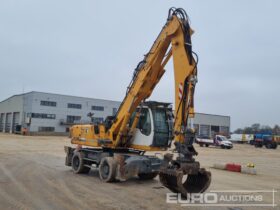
224, 130
8, 122
2, 119
15, 120
204, 130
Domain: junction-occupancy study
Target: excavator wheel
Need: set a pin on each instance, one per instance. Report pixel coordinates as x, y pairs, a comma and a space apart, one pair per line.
147, 176
108, 169
178, 182
78, 164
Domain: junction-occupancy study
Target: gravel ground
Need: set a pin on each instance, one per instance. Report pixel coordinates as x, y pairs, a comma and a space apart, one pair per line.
33, 176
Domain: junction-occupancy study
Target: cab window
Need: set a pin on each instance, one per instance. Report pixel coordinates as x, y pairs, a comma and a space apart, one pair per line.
144, 124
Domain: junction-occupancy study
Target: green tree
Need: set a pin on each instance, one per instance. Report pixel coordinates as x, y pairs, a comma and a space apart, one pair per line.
238, 131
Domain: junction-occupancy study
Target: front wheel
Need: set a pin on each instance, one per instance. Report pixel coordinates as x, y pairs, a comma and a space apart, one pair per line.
108, 169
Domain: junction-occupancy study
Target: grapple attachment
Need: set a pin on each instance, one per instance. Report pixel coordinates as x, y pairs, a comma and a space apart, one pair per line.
179, 181
184, 175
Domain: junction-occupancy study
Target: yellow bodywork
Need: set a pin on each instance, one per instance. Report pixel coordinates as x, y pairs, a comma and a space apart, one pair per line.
148, 75
85, 135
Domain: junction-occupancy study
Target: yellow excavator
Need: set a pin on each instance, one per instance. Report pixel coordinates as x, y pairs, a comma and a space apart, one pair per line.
117, 147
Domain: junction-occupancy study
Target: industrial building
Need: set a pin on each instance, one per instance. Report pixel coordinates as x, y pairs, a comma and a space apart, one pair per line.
42, 113
207, 125
48, 113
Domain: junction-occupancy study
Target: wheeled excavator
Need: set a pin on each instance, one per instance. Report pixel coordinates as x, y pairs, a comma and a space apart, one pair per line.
118, 146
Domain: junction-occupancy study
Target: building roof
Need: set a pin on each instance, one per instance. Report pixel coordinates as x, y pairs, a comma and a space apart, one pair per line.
218, 115
31, 92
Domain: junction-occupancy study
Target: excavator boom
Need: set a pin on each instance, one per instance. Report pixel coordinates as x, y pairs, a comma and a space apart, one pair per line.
175, 36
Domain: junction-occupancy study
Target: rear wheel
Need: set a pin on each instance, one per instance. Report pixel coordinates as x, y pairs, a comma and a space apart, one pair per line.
107, 169
207, 145
272, 145
147, 176
78, 164
258, 145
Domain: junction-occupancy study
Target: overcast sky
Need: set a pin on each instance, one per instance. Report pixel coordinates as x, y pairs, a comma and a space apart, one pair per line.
90, 48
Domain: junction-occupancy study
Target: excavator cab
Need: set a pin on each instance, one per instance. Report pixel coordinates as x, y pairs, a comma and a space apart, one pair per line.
155, 126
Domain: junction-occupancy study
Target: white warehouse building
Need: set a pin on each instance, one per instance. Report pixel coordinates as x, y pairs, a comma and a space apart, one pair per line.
47, 113
207, 125
42, 113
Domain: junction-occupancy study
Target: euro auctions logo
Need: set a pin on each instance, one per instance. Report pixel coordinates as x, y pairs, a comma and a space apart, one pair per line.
234, 198
205, 198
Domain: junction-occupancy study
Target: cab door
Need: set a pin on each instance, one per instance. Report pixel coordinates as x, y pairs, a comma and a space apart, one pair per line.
144, 130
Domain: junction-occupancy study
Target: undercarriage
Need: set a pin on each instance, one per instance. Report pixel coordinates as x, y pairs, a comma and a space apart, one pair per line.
182, 175
113, 164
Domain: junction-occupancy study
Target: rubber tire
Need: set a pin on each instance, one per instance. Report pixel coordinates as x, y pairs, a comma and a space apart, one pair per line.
271, 146
207, 145
258, 145
147, 176
222, 146
111, 163
78, 162
201, 145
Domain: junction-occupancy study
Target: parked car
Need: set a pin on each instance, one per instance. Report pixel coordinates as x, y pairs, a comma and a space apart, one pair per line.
217, 141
